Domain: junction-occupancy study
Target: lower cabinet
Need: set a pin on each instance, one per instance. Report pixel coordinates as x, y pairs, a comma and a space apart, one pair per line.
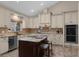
31, 49
3, 45
56, 39
59, 39
28, 49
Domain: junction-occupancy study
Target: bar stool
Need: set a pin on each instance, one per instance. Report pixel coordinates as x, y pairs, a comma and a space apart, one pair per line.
50, 48
47, 49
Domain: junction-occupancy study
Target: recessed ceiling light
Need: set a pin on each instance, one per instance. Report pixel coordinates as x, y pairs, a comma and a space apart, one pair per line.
41, 4
32, 10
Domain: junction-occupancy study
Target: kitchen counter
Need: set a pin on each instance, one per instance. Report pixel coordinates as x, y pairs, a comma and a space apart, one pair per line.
34, 38
2, 35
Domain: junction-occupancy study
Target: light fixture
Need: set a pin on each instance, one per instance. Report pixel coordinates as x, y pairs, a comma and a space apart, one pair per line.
15, 18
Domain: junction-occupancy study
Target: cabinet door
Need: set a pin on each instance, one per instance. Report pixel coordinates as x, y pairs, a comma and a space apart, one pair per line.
2, 17
45, 19
36, 22
71, 18
3, 45
67, 51
30, 23
42, 18
74, 17
59, 39
7, 18
59, 21
53, 22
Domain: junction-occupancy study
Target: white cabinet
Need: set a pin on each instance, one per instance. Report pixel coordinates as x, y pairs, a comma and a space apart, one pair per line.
57, 21
42, 18
7, 18
2, 17
56, 38
33, 22
59, 39
3, 45
71, 18
36, 22
30, 23
60, 21
27, 23
53, 24
45, 19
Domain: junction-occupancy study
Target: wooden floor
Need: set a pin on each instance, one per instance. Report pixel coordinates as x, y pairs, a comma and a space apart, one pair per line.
58, 51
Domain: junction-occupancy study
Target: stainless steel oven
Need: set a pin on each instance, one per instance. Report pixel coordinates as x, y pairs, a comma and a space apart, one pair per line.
71, 33
12, 42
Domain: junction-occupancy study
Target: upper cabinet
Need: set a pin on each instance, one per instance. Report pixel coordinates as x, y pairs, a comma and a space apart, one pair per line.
60, 21
57, 21
35, 22
45, 19
7, 18
2, 17
30, 22
71, 18
53, 21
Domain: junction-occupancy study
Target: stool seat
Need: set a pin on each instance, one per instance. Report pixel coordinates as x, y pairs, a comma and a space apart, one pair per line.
47, 48
44, 46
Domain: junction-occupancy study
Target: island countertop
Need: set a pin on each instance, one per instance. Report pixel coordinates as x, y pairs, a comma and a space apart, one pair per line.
2, 35
33, 38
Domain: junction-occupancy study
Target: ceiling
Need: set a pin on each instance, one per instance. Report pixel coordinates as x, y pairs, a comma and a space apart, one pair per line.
29, 8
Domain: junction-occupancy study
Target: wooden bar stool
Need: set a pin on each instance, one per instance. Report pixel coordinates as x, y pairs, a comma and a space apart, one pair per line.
50, 48
47, 48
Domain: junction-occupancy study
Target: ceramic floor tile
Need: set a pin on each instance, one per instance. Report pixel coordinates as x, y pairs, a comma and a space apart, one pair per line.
58, 51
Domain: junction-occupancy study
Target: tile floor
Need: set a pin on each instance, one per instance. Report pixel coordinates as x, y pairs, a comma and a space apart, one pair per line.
13, 53
58, 51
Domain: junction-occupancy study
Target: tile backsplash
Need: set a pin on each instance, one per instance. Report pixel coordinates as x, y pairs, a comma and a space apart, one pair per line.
45, 30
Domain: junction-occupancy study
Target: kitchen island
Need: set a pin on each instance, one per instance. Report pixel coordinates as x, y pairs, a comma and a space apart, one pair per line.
31, 46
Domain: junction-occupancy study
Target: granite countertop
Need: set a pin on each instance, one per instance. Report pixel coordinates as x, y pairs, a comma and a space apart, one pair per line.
33, 38
7, 34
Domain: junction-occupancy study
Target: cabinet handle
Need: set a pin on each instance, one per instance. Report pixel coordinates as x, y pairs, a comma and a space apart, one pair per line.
70, 21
